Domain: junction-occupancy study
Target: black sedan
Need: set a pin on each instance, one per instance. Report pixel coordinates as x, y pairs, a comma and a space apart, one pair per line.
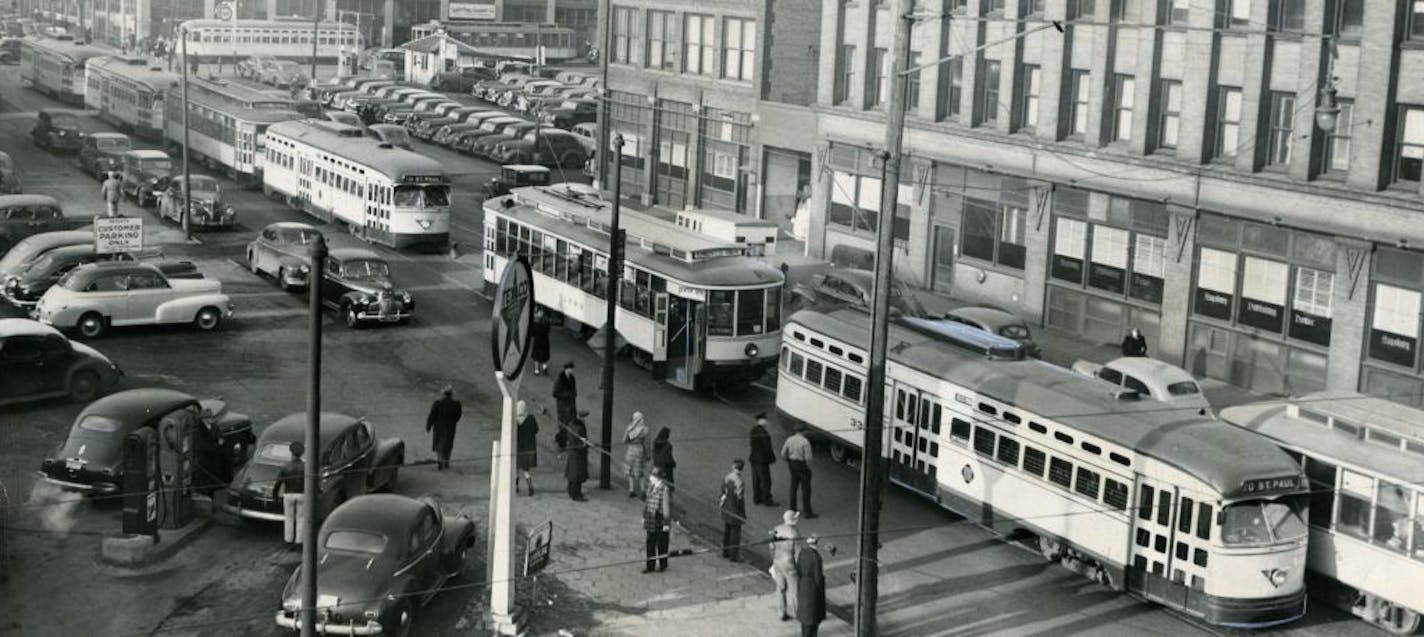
91, 459
358, 286
381, 556
37, 361
353, 462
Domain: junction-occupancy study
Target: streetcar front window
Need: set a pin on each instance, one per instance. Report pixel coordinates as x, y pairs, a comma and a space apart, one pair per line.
1259, 522
720, 312
158, 166
751, 305
422, 196
773, 309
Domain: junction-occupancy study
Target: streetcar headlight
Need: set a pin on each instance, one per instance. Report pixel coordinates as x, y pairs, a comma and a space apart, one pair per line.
1277, 576
423, 223
751, 350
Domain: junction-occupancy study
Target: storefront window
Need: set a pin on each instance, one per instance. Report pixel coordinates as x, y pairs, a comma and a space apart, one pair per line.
1394, 328
1149, 268
1263, 294
1109, 260
1069, 241
1216, 284
1311, 307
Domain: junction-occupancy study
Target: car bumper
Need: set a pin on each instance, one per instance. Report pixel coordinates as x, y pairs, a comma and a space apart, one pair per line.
20, 299
86, 487
387, 317
294, 622
235, 506
298, 279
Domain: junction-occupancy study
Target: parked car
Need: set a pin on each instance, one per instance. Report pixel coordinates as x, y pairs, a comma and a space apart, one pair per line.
506, 132
283, 250
510, 97
515, 176
342, 117
26, 288
353, 462
145, 172
382, 556
283, 74
209, 209
491, 90
996, 321
9, 177
462, 80
535, 93
854, 288
56, 130
390, 134
22, 216
22, 254
38, 362
102, 153
9, 51
256, 67
546, 147
449, 134
570, 113
91, 458
1151, 379
425, 128
358, 286
95, 297
587, 134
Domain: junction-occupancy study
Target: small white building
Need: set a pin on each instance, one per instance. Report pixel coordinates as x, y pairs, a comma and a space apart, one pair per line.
434, 54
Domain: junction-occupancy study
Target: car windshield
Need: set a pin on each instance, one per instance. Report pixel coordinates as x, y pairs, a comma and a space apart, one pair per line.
71, 282
203, 185
422, 196
101, 424
287, 67
120, 144
42, 265
156, 165
302, 236
275, 453
1014, 331
1183, 388
365, 269
570, 104
64, 121
356, 542
1259, 522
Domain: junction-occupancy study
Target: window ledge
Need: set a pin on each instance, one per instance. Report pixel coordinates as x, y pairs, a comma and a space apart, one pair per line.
1411, 44
988, 266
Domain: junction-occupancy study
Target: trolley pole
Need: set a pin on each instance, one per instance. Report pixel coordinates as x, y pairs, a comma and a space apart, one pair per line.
872, 464
311, 487
616, 242
187, 172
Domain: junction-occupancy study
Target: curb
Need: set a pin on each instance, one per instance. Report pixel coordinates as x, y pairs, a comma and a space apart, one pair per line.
135, 550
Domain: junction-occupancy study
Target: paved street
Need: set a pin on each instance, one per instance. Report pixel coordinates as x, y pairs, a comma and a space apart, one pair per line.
941, 575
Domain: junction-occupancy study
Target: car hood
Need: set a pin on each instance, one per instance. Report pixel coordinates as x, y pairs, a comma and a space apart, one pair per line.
89, 352
205, 197
371, 286
111, 154
491, 140
258, 477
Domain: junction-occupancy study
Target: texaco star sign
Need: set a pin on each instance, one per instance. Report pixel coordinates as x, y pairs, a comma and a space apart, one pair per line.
513, 314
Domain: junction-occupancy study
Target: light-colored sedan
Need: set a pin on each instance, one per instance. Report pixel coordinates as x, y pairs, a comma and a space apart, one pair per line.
996, 321
1151, 379
94, 297
283, 250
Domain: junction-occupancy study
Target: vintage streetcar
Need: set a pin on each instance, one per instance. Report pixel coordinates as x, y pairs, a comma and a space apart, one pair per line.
211, 41
693, 309
56, 67
1364, 457
225, 136
128, 92
1162, 503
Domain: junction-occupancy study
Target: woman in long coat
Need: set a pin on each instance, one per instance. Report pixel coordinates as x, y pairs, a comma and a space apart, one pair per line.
635, 460
539, 337
662, 454
526, 444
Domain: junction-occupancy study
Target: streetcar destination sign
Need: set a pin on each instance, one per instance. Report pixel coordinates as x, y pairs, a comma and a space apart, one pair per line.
513, 314
1262, 486
423, 179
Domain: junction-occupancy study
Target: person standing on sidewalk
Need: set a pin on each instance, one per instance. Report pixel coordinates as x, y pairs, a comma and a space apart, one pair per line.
734, 511
1134, 344
762, 456
526, 444
810, 588
783, 564
657, 522
111, 190
566, 394
662, 455
539, 339
444, 413
797, 452
573, 440
635, 460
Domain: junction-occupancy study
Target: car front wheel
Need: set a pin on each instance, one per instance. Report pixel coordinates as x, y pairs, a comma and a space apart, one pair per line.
349, 314
400, 620
83, 386
91, 325
208, 319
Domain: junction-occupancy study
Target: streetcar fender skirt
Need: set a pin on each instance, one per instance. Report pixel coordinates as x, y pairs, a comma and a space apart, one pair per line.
1244, 613
434, 241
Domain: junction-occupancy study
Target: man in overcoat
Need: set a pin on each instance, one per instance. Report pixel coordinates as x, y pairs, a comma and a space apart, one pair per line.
573, 439
810, 588
566, 393
444, 413
734, 511
762, 456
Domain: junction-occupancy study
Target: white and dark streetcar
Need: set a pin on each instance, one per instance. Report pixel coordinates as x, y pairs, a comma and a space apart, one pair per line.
128, 92
383, 194
510, 40
1166, 504
692, 309
238, 94
226, 137
56, 67
217, 41
1364, 457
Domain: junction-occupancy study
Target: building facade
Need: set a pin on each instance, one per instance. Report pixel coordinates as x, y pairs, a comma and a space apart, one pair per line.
713, 102
1157, 164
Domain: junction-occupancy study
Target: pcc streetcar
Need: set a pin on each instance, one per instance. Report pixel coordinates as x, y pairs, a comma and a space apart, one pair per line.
509, 40
1364, 457
1162, 503
693, 309
238, 94
212, 41
128, 92
55, 66
222, 135
383, 194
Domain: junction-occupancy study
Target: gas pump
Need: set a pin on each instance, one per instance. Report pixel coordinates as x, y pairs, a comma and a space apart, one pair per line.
141, 483
175, 468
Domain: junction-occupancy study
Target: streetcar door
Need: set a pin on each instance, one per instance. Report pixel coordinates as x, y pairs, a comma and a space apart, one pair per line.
1151, 569
914, 443
681, 341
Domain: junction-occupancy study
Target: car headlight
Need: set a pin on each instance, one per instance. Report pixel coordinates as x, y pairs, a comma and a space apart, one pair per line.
363, 299
304, 268
291, 605
405, 297
153, 180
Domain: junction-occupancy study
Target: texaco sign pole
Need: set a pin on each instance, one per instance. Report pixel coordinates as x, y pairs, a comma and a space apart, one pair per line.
509, 342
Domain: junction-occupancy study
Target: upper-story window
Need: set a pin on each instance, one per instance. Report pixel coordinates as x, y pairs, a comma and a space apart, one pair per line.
622, 35
847, 74
1287, 16
1125, 11
1124, 89
954, 88
1233, 14
989, 93
1034, 7
1409, 158
1415, 28
660, 29
1078, 111
739, 49
1349, 19
880, 87
1278, 148
1228, 121
1029, 79
1175, 12
1337, 142
699, 41
912, 83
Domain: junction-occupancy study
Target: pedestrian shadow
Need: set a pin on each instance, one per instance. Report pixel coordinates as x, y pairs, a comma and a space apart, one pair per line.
971, 620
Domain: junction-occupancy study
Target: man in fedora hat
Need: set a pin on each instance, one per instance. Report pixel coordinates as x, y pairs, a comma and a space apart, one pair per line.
783, 563
657, 522
573, 440
444, 413
566, 393
810, 587
762, 456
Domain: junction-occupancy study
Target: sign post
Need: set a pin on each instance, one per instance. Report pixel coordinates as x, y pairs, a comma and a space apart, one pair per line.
509, 343
113, 235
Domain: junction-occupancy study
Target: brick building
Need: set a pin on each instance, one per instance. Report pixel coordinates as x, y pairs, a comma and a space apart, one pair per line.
713, 101
1155, 165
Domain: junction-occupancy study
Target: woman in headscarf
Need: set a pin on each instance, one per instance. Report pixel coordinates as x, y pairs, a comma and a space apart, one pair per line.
635, 460
662, 454
526, 444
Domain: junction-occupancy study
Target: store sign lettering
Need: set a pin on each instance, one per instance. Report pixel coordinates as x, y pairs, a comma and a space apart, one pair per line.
1213, 304
1391, 347
1310, 327
1261, 315
1396, 342
1217, 299
1262, 308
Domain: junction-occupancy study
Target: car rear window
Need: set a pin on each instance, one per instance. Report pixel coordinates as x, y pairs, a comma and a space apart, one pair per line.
102, 424
1014, 331
275, 452
356, 542
1183, 388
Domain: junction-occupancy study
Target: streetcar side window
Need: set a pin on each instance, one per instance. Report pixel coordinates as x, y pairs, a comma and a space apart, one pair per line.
1114, 494
1008, 451
1164, 507
984, 441
959, 431
1087, 483
773, 309
813, 371
1060, 472
1322, 491
1356, 491
1184, 519
1144, 502
797, 363
851, 387
1204, 512
1417, 543
1033, 461
1391, 521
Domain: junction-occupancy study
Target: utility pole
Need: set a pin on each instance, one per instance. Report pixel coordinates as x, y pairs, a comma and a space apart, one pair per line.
617, 242
316, 33
605, 95
311, 496
872, 465
187, 172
